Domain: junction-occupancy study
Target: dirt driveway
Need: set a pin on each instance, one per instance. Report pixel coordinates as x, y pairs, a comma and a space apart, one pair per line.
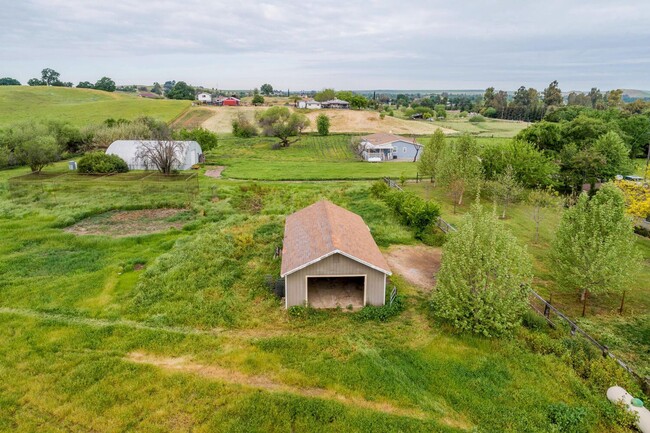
418, 264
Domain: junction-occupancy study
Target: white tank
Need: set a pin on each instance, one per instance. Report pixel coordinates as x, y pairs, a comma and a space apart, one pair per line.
617, 394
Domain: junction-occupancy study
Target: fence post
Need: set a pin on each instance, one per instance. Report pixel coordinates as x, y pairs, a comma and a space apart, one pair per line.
620, 310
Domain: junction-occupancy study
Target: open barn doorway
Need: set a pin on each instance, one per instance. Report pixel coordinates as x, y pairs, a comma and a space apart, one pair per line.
333, 292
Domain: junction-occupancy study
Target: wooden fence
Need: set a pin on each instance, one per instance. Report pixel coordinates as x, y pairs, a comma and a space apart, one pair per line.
549, 312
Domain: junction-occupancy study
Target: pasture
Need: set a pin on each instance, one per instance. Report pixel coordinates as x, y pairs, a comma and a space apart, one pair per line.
177, 330
80, 107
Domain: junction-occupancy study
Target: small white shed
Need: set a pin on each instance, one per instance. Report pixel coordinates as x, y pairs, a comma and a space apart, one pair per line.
204, 97
187, 152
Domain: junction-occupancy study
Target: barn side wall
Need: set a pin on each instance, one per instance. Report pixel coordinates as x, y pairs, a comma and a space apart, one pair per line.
334, 265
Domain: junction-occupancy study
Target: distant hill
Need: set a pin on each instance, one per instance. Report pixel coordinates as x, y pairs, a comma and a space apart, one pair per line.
80, 106
636, 94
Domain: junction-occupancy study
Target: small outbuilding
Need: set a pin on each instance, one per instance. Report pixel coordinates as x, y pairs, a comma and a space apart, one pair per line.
330, 259
204, 97
187, 153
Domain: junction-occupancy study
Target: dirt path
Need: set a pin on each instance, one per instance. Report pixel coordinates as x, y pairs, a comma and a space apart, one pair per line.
417, 264
350, 121
215, 171
255, 381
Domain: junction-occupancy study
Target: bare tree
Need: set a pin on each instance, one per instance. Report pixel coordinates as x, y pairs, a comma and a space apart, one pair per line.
162, 154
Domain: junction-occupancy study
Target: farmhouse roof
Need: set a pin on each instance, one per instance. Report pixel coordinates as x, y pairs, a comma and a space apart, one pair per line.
323, 229
383, 138
336, 101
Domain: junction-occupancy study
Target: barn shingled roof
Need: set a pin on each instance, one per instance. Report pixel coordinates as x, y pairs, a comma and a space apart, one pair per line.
323, 229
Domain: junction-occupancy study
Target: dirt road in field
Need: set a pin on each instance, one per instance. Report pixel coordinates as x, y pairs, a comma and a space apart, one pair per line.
351, 121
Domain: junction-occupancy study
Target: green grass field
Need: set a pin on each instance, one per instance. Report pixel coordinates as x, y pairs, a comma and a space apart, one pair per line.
80, 106
493, 128
312, 158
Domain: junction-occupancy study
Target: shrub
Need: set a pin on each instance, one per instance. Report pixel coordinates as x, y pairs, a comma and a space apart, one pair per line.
379, 189
380, 313
323, 124
605, 372
568, 419
99, 162
243, 128
477, 119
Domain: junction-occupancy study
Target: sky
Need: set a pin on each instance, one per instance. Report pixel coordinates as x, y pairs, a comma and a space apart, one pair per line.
314, 44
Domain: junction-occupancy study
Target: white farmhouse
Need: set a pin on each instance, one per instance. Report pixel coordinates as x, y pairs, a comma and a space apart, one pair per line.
310, 104
204, 97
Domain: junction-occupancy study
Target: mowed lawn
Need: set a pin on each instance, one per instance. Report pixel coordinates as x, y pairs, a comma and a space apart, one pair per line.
311, 158
80, 107
178, 331
627, 335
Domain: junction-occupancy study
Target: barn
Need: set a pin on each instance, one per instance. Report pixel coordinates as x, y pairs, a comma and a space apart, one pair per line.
330, 259
188, 153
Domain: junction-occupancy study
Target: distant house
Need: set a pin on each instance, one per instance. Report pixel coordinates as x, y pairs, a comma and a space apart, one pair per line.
389, 147
229, 101
310, 104
188, 153
330, 259
335, 103
204, 97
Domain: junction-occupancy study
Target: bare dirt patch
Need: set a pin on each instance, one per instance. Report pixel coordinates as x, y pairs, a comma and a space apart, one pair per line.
214, 372
215, 171
350, 121
130, 223
417, 264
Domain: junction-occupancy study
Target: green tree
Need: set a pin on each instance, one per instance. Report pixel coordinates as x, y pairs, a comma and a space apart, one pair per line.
266, 89
182, 90
540, 199
616, 154
85, 85
553, 95
157, 88
49, 77
357, 102
38, 152
207, 139
325, 95
281, 123
594, 250
441, 111
483, 278
323, 124
459, 167
506, 189
35, 82
6, 81
105, 84
614, 98
431, 154
258, 99
242, 127
595, 97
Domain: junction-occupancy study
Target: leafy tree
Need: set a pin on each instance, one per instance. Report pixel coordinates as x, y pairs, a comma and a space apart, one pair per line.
35, 82
50, 77
616, 154
545, 135
266, 89
157, 88
242, 127
614, 98
323, 124
85, 85
182, 90
553, 95
258, 99
594, 250
540, 199
441, 111
431, 154
482, 281
105, 84
6, 81
506, 189
100, 162
207, 139
595, 97
325, 95
459, 167
38, 152
531, 167
281, 123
